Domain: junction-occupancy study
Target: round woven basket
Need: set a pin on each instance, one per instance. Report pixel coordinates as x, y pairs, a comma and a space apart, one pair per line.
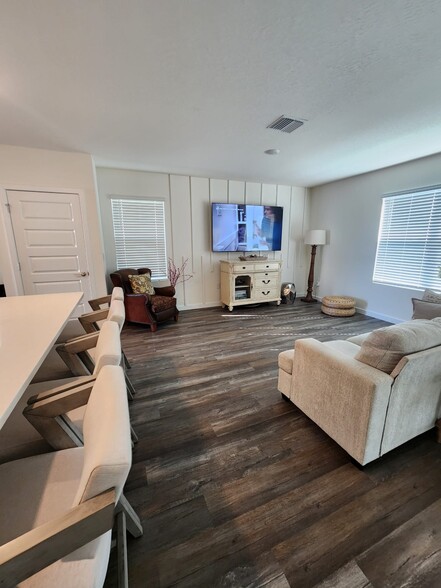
338, 311
338, 301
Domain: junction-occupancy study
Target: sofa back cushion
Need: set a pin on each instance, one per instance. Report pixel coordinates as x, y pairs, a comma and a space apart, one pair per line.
385, 347
423, 309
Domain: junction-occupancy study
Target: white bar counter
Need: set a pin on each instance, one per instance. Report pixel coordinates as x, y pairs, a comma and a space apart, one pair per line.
29, 327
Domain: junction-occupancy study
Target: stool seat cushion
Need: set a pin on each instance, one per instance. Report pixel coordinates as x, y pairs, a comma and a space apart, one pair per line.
338, 301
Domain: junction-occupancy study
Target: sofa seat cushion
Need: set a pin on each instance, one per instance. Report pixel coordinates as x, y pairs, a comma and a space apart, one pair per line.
285, 360
385, 347
160, 303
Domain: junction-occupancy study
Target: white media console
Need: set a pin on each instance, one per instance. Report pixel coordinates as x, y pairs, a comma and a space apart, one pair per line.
249, 282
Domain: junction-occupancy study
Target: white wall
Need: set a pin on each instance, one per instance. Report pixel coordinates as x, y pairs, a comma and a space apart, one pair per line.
38, 169
187, 201
350, 209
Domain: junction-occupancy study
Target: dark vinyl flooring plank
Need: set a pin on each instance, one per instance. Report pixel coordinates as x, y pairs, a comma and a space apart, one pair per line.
238, 571
265, 524
239, 486
312, 555
409, 556
349, 576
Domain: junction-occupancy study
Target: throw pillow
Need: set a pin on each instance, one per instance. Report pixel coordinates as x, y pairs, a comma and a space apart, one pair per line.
384, 348
425, 310
141, 284
432, 296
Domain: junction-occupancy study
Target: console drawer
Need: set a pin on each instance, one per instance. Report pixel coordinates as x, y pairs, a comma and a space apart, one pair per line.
266, 280
266, 265
266, 293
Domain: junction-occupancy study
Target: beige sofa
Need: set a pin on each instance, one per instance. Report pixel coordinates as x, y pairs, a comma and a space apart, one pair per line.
370, 393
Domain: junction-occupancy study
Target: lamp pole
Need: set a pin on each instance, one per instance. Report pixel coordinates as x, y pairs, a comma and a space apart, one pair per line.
308, 297
314, 238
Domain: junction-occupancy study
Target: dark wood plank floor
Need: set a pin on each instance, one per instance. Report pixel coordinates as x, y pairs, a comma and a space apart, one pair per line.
237, 488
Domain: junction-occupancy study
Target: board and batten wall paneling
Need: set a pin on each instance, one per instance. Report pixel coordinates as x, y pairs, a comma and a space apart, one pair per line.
182, 233
188, 223
253, 193
201, 258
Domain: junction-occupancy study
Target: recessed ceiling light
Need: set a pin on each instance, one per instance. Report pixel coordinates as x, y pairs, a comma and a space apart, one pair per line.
272, 151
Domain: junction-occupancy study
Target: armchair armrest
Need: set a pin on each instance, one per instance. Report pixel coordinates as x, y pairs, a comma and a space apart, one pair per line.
345, 397
165, 291
35, 550
48, 416
74, 355
59, 389
90, 319
95, 303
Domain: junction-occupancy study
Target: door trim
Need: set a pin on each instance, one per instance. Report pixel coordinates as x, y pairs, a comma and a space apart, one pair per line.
9, 260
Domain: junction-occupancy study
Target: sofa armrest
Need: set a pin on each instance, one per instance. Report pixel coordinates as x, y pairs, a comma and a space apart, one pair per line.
165, 291
345, 397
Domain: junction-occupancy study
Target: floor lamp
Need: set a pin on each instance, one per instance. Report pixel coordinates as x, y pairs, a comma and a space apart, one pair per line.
313, 238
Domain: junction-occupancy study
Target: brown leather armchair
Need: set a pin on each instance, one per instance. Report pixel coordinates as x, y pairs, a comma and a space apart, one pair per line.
147, 309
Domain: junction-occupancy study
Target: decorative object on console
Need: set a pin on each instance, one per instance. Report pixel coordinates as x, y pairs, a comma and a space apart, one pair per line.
314, 237
338, 305
253, 257
288, 293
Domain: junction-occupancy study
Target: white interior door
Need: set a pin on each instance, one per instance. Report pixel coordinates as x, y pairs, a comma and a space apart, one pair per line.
49, 238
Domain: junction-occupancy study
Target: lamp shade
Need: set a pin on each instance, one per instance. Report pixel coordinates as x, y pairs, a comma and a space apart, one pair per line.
315, 237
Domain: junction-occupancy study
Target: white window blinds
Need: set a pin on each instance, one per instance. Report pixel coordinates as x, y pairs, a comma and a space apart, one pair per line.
139, 231
409, 240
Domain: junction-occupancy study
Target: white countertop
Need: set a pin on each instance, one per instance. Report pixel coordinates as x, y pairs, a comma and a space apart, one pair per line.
29, 327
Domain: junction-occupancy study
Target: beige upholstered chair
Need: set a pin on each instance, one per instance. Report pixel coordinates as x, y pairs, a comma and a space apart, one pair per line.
97, 303
57, 509
80, 354
372, 397
92, 321
17, 437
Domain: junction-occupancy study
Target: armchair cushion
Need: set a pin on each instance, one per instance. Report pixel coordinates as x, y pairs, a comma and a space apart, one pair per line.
385, 347
141, 284
160, 303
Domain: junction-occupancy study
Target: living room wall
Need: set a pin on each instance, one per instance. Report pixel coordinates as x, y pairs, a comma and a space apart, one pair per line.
350, 209
45, 170
187, 204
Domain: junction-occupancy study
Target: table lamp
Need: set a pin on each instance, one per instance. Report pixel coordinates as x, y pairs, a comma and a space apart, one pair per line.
314, 237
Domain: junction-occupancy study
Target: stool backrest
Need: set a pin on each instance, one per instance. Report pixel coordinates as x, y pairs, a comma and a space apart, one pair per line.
117, 313
107, 454
108, 347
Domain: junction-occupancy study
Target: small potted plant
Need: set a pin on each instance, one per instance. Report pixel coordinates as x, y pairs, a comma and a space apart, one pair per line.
176, 274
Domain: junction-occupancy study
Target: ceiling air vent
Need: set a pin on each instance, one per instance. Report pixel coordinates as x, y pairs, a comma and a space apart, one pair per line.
285, 124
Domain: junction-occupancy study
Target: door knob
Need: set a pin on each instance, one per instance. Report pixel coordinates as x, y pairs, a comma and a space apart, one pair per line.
83, 274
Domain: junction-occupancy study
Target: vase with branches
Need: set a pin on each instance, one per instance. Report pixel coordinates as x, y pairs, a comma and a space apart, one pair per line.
176, 274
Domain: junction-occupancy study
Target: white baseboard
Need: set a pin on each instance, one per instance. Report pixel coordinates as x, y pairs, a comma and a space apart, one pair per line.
380, 315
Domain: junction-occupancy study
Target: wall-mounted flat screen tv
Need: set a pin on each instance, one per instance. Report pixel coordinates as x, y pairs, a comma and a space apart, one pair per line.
246, 227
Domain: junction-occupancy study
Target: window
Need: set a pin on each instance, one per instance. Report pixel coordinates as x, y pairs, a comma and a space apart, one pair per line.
139, 231
409, 240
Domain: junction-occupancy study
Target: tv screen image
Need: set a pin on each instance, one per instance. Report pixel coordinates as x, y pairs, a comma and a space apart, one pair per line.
246, 227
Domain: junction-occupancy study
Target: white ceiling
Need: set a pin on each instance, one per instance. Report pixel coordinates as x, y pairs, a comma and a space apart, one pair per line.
189, 86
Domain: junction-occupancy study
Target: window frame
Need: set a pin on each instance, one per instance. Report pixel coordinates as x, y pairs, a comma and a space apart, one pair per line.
416, 213
159, 268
